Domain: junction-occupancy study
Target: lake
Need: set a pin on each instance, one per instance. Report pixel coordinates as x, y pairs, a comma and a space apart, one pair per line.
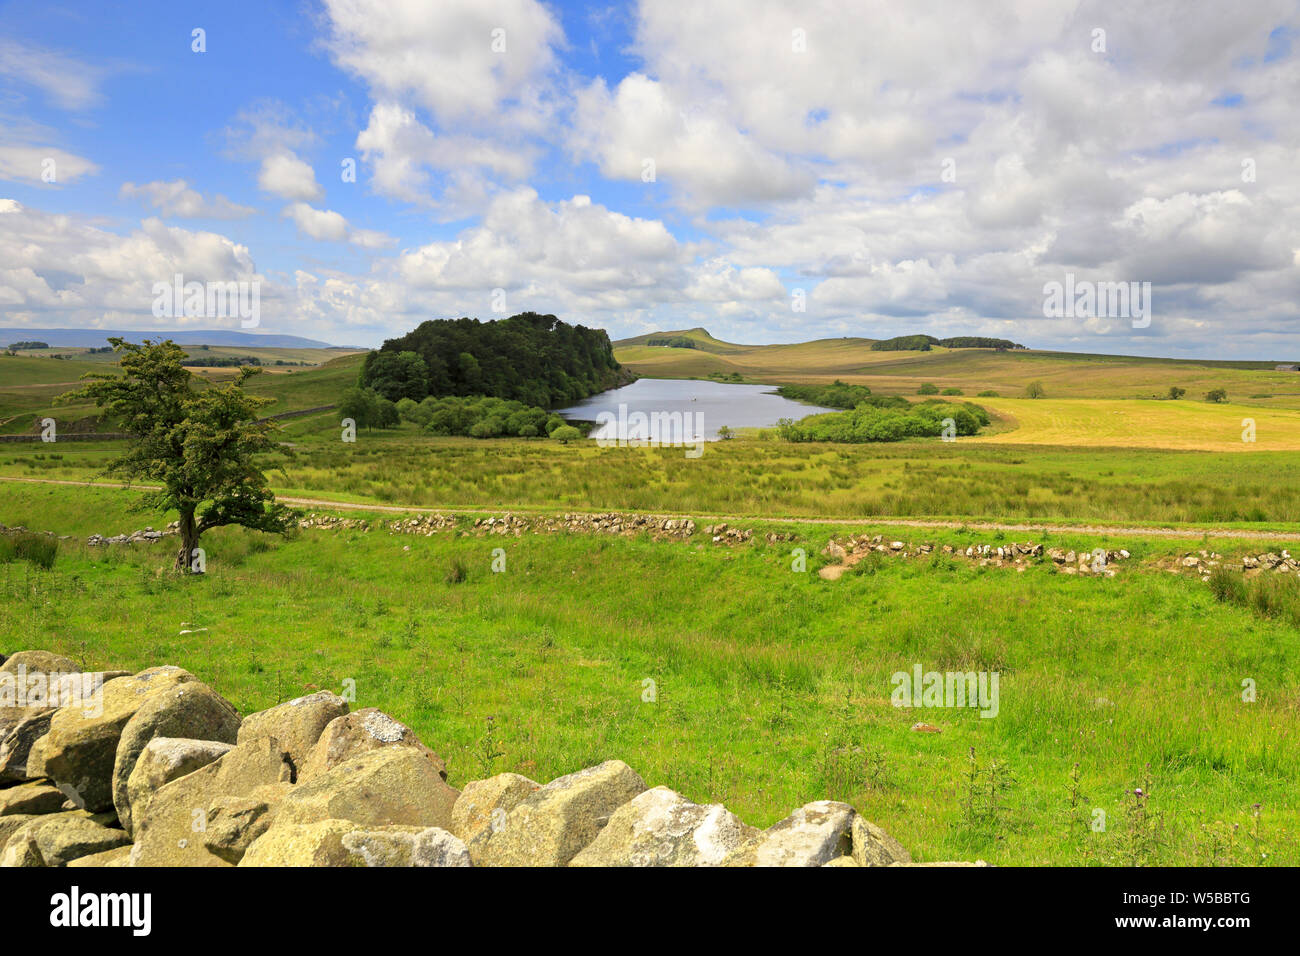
681, 411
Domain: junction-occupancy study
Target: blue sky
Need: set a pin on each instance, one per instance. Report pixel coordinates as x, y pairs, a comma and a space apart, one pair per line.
893, 168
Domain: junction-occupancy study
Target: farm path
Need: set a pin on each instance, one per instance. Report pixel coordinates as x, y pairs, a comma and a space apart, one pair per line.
1134, 531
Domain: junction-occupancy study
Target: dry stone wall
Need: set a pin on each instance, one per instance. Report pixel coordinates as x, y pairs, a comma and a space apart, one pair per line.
157, 769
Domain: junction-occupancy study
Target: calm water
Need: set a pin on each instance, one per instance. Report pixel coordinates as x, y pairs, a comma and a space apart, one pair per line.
674, 411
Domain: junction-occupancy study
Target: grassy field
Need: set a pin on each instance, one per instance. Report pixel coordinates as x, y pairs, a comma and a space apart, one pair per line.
963, 480
1109, 423
773, 687
1063, 374
30, 386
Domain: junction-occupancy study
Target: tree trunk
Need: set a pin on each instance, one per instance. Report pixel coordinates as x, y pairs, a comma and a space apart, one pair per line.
189, 529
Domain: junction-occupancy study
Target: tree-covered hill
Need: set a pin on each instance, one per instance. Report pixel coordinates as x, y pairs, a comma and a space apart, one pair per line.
531, 358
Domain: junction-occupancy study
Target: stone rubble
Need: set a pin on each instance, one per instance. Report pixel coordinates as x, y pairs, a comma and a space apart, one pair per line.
169, 774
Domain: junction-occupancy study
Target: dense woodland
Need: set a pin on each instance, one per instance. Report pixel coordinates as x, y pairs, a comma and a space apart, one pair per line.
534, 359
923, 343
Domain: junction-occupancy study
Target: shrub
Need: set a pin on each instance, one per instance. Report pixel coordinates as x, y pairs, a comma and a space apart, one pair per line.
565, 434
1229, 586
1216, 395
952, 391
928, 389
481, 417
38, 549
457, 572
1175, 393
988, 393
867, 423
1035, 390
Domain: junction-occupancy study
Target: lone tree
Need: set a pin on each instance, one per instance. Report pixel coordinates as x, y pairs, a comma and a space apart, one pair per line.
198, 445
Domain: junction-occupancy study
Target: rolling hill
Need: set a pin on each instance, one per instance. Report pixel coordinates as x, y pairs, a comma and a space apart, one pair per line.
1062, 374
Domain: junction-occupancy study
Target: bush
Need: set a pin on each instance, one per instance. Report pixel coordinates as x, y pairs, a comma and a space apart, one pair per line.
869, 424
367, 409
38, 549
988, 393
840, 395
480, 417
1175, 393
928, 388
1216, 395
1229, 586
952, 391
457, 572
1035, 390
565, 434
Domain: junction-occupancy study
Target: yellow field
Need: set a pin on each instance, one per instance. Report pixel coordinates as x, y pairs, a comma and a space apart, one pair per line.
1182, 425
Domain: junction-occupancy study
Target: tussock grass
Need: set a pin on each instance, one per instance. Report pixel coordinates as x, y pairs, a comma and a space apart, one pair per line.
773, 687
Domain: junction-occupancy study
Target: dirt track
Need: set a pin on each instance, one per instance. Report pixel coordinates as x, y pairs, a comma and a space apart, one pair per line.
1132, 531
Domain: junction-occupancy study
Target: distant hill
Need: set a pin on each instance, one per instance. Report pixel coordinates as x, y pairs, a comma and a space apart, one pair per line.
98, 338
971, 364
699, 337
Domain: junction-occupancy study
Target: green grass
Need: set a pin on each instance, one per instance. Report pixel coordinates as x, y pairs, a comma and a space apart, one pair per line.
963, 479
773, 686
30, 387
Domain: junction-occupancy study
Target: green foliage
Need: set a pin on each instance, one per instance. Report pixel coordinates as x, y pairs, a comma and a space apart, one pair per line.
478, 417
227, 361
977, 342
20, 346
928, 388
1035, 390
565, 434
870, 424
38, 549
840, 395
1216, 395
199, 446
1270, 595
673, 342
530, 358
905, 343
988, 393
396, 375
952, 391
368, 409
725, 433
1176, 393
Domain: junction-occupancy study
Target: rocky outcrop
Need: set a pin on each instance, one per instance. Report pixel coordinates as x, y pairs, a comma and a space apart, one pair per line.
80, 750
159, 770
553, 824
485, 803
393, 785
663, 828
190, 710
297, 725
164, 759
813, 835
361, 731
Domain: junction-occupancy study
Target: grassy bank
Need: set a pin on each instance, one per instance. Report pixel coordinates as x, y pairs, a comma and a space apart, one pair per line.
773, 687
